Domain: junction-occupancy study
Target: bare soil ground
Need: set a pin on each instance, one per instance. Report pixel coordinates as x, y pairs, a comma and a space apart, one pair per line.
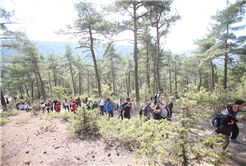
27, 144
24, 142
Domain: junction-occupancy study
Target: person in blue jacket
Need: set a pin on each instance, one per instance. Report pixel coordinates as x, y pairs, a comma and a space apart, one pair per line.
227, 119
110, 108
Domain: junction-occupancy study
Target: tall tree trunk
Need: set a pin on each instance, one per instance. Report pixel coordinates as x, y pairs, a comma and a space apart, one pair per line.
170, 76
212, 76
55, 79
95, 62
129, 82
127, 88
3, 99
176, 83
79, 83
39, 95
225, 60
88, 89
135, 51
27, 91
195, 79
50, 81
148, 77
154, 81
42, 84
158, 56
74, 89
112, 71
32, 89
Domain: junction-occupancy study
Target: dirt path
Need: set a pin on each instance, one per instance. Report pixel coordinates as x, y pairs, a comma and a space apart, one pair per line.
27, 144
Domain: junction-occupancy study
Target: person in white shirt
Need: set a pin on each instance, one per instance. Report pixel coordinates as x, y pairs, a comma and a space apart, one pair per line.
25, 106
101, 104
120, 103
65, 104
20, 106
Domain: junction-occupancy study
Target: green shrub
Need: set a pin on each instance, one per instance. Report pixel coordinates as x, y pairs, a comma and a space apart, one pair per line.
66, 115
85, 123
4, 121
168, 143
48, 126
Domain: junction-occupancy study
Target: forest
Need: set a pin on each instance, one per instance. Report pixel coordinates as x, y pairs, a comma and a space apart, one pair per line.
219, 59
202, 82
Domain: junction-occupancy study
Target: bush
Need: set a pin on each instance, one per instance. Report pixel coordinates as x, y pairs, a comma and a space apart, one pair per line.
85, 123
48, 126
167, 143
66, 115
4, 121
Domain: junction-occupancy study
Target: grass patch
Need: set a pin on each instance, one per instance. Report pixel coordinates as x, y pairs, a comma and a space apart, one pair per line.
66, 115
23, 120
15, 112
48, 126
4, 121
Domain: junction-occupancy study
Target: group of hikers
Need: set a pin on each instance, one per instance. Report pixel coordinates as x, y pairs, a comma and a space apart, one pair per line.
227, 118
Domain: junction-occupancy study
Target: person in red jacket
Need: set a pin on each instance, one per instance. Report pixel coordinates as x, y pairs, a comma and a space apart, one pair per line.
58, 107
73, 107
79, 102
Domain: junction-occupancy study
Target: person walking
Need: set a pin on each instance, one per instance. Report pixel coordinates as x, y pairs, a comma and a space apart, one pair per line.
169, 106
55, 102
110, 108
227, 119
120, 103
147, 111
65, 104
101, 103
159, 96
235, 129
94, 105
126, 111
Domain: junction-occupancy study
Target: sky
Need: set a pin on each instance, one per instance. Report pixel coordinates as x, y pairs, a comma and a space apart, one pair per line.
42, 17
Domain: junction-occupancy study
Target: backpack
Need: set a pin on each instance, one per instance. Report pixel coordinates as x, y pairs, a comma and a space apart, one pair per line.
141, 111
216, 120
155, 98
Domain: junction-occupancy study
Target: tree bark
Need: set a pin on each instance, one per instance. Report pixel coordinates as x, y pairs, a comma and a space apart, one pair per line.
135, 51
175, 79
88, 89
27, 91
42, 84
79, 83
158, 56
112, 71
74, 89
95, 62
32, 89
50, 81
154, 81
225, 60
3, 99
148, 77
212, 76
170, 76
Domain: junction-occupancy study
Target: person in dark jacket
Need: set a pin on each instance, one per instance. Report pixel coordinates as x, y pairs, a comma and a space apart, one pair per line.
235, 129
227, 119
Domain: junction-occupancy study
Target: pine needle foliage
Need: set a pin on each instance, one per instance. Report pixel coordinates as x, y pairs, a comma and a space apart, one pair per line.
181, 141
85, 123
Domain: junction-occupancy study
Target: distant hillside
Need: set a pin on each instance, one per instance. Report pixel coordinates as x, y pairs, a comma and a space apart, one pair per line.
59, 48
